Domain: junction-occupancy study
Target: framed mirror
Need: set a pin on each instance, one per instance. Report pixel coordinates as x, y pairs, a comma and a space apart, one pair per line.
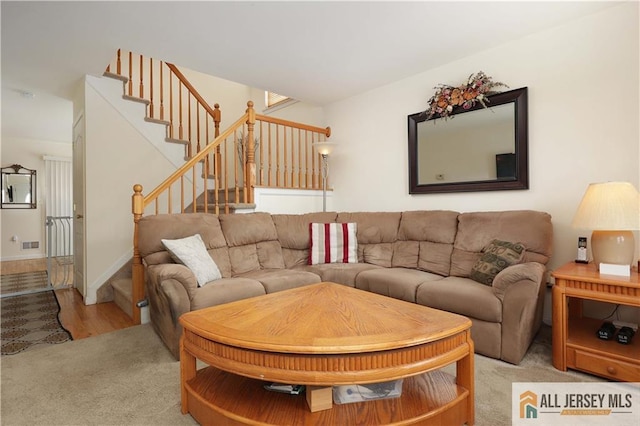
476, 149
18, 187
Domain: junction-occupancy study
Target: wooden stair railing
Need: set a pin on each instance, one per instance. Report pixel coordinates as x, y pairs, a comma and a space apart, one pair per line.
256, 150
170, 99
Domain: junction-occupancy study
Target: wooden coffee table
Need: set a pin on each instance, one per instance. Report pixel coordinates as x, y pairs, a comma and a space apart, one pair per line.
323, 335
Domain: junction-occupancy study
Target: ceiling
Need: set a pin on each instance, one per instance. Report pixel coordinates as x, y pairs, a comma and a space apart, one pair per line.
317, 52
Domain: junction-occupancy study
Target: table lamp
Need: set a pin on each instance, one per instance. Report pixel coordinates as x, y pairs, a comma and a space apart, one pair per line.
611, 210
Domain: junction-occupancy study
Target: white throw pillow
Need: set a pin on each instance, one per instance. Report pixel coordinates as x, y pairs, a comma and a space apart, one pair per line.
192, 253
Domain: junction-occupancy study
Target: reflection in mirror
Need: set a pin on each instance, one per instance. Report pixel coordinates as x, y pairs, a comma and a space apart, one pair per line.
465, 149
18, 187
478, 149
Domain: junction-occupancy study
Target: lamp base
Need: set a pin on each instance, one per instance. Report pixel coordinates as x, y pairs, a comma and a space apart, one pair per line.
616, 247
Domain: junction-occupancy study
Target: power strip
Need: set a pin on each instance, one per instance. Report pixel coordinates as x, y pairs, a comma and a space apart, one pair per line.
620, 324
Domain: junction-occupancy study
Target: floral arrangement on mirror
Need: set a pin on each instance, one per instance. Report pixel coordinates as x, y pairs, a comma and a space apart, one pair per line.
477, 88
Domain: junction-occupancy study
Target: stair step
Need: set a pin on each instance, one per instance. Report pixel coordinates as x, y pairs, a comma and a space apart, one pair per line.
233, 207
135, 99
157, 121
122, 294
115, 76
174, 140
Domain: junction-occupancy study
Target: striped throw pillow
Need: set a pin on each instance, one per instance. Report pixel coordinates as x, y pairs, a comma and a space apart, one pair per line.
333, 243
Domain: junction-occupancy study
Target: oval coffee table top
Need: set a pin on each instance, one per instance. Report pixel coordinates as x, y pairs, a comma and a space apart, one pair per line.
323, 318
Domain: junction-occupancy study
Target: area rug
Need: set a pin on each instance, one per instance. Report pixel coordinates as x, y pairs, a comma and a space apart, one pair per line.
31, 321
23, 282
128, 377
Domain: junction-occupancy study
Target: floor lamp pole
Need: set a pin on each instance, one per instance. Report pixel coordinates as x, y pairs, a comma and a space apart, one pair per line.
325, 166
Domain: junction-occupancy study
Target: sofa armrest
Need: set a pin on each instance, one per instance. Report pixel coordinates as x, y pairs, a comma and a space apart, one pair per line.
178, 272
521, 290
531, 272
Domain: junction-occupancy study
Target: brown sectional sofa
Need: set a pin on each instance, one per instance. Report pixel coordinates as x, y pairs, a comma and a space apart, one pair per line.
422, 257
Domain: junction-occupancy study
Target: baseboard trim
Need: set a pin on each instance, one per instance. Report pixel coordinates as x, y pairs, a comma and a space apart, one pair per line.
23, 257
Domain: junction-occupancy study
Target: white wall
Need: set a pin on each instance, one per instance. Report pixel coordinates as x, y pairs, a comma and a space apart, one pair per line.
27, 224
117, 156
232, 97
291, 201
583, 124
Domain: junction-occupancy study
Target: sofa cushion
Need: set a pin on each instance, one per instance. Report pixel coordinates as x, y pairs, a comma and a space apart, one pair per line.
225, 290
333, 243
191, 252
341, 273
377, 231
293, 229
475, 230
293, 234
253, 242
435, 232
462, 296
405, 254
153, 229
243, 259
495, 257
399, 283
282, 279
250, 228
435, 257
380, 254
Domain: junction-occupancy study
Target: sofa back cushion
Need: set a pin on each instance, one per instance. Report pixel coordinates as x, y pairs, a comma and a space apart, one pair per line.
476, 230
426, 240
377, 233
253, 242
293, 234
153, 229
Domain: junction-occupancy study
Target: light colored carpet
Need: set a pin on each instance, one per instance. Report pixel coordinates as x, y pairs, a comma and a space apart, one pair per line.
128, 377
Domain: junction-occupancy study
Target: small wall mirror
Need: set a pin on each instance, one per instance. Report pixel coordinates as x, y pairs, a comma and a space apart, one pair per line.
18, 187
477, 149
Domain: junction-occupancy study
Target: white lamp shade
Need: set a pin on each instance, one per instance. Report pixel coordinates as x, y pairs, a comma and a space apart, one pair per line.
609, 206
324, 148
611, 210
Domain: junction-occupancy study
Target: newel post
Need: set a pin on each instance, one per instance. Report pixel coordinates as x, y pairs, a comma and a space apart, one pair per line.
250, 178
217, 157
137, 273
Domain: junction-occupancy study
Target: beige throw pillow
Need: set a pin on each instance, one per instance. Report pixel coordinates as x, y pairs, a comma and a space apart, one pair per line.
193, 254
495, 257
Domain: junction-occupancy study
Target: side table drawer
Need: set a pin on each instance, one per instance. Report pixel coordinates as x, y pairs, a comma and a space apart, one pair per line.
606, 367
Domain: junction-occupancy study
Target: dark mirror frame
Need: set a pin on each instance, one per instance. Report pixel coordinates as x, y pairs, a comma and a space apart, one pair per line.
521, 180
18, 170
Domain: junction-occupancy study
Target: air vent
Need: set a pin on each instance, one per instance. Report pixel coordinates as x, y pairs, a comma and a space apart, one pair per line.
28, 245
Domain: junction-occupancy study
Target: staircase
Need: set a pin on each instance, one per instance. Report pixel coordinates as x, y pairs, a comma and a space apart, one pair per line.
221, 169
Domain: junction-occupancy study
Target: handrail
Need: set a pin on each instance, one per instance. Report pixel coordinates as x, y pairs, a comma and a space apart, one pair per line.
256, 150
192, 162
275, 120
194, 92
181, 111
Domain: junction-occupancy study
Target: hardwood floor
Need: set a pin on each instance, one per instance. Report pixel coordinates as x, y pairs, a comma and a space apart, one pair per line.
79, 319
89, 320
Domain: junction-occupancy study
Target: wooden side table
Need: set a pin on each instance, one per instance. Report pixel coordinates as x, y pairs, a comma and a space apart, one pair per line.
575, 343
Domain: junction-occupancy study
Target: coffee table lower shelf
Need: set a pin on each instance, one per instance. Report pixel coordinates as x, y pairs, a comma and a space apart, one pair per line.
216, 397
